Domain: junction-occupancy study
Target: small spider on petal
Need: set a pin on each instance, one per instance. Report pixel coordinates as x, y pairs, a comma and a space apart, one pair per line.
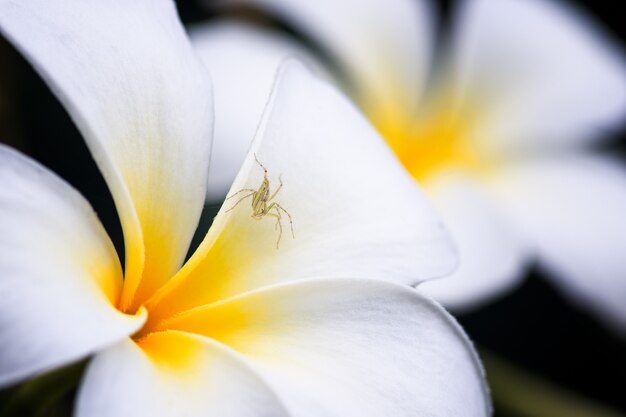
260, 199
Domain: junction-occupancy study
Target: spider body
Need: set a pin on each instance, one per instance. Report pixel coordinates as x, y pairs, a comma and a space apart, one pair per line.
261, 197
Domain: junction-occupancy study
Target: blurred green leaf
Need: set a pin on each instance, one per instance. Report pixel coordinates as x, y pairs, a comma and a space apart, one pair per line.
47, 395
517, 393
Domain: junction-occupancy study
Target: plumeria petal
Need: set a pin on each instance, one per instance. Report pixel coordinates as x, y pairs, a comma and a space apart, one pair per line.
350, 347
174, 374
538, 75
243, 60
385, 47
573, 207
59, 274
144, 111
492, 253
369, 220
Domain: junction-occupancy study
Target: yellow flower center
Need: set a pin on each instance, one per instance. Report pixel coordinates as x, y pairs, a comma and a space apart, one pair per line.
435, 140
193, 300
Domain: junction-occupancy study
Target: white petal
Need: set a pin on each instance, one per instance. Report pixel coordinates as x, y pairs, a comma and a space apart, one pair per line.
243, 60
492, 252
574, 208
349, 347
59, 274
385, 46
540, 75
174, 374
127, 74
355, 210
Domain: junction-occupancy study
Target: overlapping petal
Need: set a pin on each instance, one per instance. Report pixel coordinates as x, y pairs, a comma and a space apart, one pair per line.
385, 47
243, 60
492, 252
350, 347
145, 112
368, 220
174, 374
61, 277
573, 208
539, 74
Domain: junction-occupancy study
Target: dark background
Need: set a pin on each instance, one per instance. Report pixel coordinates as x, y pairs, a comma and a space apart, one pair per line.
533, 328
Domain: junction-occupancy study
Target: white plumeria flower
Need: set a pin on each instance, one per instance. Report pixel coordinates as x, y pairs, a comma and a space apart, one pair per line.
242, 328
498, 129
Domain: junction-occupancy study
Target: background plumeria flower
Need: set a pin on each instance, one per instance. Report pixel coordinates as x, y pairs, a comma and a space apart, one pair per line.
243, 328
497, 129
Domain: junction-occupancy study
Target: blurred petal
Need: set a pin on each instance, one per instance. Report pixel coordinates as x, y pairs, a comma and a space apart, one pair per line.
349, 347
174, 374
144, 111
59, 274
385, 46
492, 253
368, 220
243, 60
539, 74
574, 208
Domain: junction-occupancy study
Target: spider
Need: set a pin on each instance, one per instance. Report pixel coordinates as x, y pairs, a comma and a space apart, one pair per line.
260, 200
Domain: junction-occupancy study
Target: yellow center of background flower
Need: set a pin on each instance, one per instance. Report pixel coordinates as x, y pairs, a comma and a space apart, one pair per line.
435, 140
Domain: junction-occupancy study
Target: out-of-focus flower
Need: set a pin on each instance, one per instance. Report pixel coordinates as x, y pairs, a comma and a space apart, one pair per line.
243, 328
498, 129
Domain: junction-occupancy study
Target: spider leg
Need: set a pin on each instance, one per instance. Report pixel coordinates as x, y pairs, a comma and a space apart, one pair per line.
279, 207
240, 191
260, 164
240, 200
278, 224
280, 180
279, 220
